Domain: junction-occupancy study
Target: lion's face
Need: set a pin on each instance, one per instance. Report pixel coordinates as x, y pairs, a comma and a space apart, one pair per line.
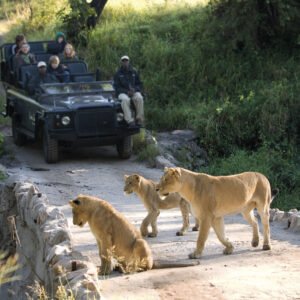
169, 182
131, 183
79, 215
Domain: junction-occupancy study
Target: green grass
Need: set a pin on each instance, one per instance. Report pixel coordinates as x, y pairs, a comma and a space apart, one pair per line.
243, 102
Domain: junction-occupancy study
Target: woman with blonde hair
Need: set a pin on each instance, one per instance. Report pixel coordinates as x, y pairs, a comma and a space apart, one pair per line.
69, 53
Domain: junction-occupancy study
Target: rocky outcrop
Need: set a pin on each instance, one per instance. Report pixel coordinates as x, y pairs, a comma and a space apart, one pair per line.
40, 235
178, 148
290, 219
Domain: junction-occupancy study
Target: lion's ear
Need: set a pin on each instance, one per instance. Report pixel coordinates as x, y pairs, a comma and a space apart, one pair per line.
177, 172
126, 176
75, 202
137, 177
166, 170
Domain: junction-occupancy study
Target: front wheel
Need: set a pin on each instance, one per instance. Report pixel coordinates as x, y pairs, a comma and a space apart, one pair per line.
18, 137
50, 148
124, 147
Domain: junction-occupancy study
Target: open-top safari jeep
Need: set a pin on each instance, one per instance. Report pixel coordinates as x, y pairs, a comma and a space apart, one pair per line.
80, 113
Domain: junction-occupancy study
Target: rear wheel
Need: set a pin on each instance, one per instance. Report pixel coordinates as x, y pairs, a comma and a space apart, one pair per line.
124, 147
50, 148
18, 137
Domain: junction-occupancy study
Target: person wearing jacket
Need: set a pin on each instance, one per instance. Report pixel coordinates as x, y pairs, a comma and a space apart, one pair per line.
128, 86
23, 57
42, 77
56, 68
60, 40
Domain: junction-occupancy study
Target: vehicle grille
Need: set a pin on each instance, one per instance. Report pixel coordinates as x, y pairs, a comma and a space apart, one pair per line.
93, 122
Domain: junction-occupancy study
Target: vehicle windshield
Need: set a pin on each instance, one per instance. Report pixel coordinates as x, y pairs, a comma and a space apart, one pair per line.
77, 88
70, 94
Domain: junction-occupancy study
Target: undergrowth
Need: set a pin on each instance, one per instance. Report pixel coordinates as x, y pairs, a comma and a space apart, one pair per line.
228, 70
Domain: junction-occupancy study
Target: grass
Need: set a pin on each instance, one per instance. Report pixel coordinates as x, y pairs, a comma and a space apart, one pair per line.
243, 104
7, 268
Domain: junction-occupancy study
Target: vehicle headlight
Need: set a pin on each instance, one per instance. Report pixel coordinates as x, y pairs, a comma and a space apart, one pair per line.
120, 117
65, 120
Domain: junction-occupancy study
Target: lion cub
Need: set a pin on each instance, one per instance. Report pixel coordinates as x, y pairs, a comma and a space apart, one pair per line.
116, 237
145, 189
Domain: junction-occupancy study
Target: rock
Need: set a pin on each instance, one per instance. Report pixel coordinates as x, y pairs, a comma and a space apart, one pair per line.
295, 223
161, 162
180, 148
57, 252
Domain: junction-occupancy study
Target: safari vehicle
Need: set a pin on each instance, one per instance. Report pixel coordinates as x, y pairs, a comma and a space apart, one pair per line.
76, 114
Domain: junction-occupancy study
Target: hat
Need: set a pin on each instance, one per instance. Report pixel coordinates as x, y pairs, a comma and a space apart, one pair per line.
124, 57
41, 64
59, 34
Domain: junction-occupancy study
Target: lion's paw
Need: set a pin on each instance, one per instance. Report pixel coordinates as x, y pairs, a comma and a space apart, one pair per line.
194, 255
228, 250
195, 228
151, 235
179, 233
254, 243
266, 247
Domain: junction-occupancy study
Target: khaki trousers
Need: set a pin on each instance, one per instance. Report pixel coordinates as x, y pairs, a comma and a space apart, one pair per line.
138, 102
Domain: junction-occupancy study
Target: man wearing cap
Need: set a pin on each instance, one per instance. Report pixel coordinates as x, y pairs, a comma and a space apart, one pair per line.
128, 87
42, 77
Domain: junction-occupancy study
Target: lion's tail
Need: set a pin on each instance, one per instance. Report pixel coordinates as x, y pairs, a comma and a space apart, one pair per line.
167, 264
275, 192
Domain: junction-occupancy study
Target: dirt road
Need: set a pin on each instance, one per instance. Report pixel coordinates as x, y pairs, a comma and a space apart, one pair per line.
248, 273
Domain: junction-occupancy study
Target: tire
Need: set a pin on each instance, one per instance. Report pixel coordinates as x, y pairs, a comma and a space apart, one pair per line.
50, 148
18, 138
124, 147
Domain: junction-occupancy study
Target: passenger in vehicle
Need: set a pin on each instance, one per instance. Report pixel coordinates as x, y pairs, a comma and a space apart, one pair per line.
128, 86
20, 39
69, 53
60, 40
43, 76
60, 71
23, 57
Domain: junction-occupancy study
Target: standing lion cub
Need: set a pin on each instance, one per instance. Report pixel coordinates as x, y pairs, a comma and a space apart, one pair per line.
213, 197
146, 190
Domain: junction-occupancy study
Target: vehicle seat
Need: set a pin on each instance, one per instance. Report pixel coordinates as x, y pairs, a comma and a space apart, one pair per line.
36, 47
76, 67
43, 57
53, 48
79, 71
25, 73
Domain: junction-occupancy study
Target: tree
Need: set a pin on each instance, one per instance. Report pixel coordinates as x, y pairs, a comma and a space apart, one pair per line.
258, 23
84, 15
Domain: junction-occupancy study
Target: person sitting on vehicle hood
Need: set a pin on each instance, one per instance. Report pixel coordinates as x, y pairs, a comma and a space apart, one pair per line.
23, 57
60, 71
128, 86
42, 77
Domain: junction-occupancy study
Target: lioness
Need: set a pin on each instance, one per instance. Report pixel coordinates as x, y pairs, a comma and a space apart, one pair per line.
116, 237
146, 191
213, 197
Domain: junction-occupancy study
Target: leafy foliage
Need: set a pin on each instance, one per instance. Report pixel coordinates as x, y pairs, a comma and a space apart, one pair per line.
229, 70
271, 22
75, 22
